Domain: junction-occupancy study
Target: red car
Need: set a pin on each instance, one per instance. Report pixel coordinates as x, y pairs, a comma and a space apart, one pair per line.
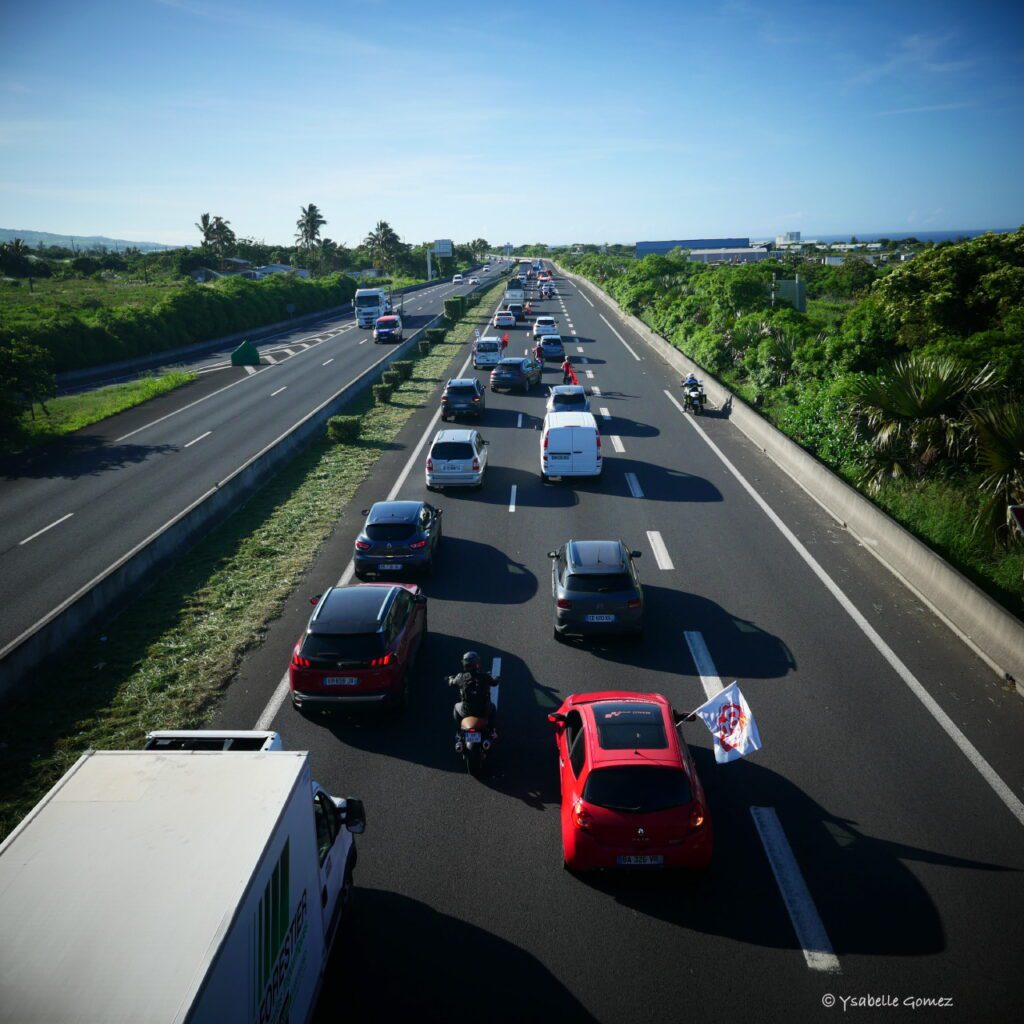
359, 646
630, 791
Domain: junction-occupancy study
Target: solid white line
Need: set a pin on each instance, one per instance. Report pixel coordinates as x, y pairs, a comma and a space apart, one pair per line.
199, 438
616, 443
512, 500
1001, 789
364, 341
582, 295
278, 391
595, 390
810, 932
270, 359
659, 549
709, 677
519, 422
620, 337
45, 528
634, 485
605, 414
329, 361
250, 370
590, 374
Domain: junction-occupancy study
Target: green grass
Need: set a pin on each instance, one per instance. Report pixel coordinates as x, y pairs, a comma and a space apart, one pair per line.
69, 413
829, 311
56, 295
164, 662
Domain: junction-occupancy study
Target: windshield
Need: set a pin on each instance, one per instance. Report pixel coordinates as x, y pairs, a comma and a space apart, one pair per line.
448, 451
335, 647
637, 788
630, 726
390, 531
571, 399
362, 301
599, 583
487, 346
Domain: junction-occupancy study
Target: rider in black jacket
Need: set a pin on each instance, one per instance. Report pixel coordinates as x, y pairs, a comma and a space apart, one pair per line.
474, 691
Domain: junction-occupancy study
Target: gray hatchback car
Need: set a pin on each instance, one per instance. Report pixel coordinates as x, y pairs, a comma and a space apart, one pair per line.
596, 589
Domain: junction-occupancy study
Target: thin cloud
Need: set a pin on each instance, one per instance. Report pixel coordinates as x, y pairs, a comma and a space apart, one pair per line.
931, 108
916, 56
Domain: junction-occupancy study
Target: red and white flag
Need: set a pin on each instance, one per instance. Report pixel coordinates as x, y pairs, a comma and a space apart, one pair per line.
731, 722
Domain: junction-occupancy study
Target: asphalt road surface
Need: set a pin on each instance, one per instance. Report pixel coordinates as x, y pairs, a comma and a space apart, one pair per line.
872, 849
71, 510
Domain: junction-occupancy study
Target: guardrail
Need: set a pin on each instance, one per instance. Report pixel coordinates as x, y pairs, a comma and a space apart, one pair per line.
995, 635
136, 568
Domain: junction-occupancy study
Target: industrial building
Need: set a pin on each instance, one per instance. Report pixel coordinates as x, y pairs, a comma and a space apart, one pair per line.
661, 248
732, 254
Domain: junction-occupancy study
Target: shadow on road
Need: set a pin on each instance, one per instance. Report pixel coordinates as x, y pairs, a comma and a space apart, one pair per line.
76, 456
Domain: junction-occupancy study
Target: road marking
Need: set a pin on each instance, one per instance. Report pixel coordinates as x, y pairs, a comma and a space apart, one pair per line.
278, 391
195, 440
45, 528
281, 692
290, 351
250, 370
659, 549
595, 390
810, 932
512, 500
519, 422
634, 485
496, 673
987, 772
329, 361
605, 413
364, 341
270, 359
581, 294
709, 677
620, 337
304, 346
590, 374
579, 348
617, 443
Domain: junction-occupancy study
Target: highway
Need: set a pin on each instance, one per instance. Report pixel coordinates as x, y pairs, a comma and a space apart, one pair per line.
70, 511
872, 848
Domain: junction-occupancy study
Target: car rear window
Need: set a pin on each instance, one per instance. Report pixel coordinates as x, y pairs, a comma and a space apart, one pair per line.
487, 346
638, 788
461, 390
351, 648
599, 583
573, 398
390, 531
445, 451
547, 342
630, 726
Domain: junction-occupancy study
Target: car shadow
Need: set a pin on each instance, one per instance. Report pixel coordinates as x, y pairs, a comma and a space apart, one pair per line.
497, 490
476, 573
396, 958
622, 426
657, 482
872, 901
77, 456
742, 650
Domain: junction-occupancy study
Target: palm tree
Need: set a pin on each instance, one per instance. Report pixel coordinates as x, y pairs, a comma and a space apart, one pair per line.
308, 226
383, 243
222, 238
917, 411
1000, 433
205, 226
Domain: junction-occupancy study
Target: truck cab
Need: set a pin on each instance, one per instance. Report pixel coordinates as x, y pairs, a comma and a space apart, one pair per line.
370, 304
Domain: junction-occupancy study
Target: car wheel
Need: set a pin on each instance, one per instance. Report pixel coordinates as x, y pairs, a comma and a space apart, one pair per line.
360, 575
559, 638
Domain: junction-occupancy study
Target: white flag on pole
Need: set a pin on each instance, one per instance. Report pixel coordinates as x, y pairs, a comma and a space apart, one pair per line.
730, 721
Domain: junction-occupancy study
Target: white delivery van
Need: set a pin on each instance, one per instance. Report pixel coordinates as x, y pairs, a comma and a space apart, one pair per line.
486, 352
570, 445
195, 881
370, 305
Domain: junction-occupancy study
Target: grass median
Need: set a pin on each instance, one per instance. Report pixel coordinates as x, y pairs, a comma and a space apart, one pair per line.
163, 663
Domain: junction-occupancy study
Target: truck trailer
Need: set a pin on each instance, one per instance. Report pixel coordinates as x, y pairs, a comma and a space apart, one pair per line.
192, 882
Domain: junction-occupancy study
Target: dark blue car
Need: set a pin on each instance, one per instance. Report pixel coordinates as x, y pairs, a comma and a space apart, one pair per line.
398, 538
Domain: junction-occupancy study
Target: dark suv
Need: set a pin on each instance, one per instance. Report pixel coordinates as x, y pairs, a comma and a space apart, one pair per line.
596, 589
398, 537
516, 372
462, 396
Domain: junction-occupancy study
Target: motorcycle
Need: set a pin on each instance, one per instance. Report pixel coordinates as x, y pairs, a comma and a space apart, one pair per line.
695, 397
475, 740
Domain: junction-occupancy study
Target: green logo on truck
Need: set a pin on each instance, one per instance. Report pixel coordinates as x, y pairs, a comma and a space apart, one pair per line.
279, 939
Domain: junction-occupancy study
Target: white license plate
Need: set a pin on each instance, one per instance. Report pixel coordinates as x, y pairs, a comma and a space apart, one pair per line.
558, 455
472, 737
643, 859
389, 565
600, 618
341, 681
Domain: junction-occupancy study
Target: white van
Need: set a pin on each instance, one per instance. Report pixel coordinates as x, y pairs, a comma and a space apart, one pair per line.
570, 445
457, 279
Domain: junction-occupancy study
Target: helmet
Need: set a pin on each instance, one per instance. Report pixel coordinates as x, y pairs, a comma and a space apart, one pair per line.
470, 660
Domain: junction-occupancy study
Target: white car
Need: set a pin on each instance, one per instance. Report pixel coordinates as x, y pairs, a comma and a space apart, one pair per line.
503, 318
486, 352
457, 458
568, 398
486, 268
544, 325
457, 279
473, 280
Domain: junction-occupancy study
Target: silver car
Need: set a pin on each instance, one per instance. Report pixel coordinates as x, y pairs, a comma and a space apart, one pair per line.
568, 398
457, 458
596, 589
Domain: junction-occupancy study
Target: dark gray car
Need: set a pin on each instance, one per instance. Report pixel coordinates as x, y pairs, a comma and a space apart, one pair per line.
596, 589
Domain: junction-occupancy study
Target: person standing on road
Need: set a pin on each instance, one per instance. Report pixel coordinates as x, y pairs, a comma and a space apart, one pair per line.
504, 343
567, 371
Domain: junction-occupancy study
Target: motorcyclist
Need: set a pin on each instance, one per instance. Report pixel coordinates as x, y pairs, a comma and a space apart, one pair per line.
690, 382
690, 385
475, 692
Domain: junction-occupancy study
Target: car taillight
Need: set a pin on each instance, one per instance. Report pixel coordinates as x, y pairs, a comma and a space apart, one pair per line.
298, 661
430, 464
697, 816
476, 465
579, 816
564, 602
634, 602
476, 398
545, 441
417, 544
381, 662
362, 545
444, 399
598, 442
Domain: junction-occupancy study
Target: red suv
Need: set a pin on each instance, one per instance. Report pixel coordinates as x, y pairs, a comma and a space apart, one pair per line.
359, 646
630, 792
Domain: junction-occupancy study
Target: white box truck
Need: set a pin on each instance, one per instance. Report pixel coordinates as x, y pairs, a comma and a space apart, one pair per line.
187, 882
370, 304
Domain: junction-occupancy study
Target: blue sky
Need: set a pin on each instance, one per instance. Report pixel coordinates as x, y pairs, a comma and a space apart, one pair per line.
513, 121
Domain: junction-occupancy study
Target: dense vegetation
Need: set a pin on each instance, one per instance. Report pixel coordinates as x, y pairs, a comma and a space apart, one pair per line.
908, 379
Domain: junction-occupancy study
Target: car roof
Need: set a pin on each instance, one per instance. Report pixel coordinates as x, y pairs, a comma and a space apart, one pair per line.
462, 381
465, 434
353, 609
394, 512
543, 318
597, 556
569, 419
551, 337
668, 756
389, 316
511, 361
569, 389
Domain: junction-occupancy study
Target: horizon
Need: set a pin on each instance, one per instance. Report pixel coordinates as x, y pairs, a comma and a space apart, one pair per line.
698, 122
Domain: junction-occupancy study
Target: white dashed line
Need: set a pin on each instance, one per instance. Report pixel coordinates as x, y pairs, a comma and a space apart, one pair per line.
620, 337
270, 359
709, 678
582, 296
512, 499
617, 443
196, 440
659, 549
579, 348
519, 422
278, 391
250, 370
605, 413
590, 374
56, 522
634, 485
329, 361
290, 351
364, 341
595, 390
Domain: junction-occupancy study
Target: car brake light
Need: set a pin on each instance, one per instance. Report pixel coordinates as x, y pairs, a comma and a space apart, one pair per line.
599, 441
362, 545
564, 602
579, 816
634, 602
545, 440
430, 464
476, 465
697, 816
417, 544
298, 661
381, 662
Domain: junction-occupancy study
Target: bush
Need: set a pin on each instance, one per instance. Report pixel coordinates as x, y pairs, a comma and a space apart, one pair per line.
453, 309
343, 429
392, 377
381, 393
424, 346
403, 367
436, 334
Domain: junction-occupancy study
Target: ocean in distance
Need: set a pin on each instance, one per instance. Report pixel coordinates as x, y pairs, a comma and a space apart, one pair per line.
923, 236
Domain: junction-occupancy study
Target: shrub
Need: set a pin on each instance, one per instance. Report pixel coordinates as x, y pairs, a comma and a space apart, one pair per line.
453, 309
392, 377
424, 346
343, 429
404, 367
436, 334
381, 393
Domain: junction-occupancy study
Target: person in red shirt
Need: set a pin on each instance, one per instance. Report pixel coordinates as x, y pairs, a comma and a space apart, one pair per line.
568, 374
504, 343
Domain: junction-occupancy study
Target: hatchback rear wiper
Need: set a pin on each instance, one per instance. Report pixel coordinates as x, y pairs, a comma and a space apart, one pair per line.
616, 807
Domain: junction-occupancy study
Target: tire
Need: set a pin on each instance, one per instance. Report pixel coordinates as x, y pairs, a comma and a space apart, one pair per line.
360, 576
474, 762
559, 638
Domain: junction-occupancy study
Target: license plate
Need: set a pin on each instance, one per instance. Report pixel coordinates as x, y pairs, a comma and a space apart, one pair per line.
640, 859
558, 455
341, 681
389, 565
472, 737
600, 618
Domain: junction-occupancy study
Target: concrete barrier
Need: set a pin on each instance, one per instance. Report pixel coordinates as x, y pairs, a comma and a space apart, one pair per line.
995, 635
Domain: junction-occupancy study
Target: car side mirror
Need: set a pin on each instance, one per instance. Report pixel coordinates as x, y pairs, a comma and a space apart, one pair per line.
315, 600
552, 554
364, 511
635, 554
683, 716
420, 598
355, 816
556, 718
485, 442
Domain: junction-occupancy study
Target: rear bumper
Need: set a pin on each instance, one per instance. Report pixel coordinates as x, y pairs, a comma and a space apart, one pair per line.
325, 700
368, 566
574, 624
455, 479
694, 852
475, 411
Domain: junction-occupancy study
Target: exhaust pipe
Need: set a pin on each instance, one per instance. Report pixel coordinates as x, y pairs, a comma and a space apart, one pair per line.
487, 744
458, 746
